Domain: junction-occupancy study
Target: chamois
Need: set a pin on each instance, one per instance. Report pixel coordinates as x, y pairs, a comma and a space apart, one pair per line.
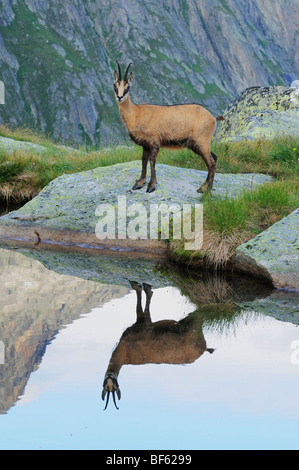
173, 127
145, 342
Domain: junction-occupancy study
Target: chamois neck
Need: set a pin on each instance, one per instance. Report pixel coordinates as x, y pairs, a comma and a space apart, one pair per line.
114, 368
117, 359
127, 112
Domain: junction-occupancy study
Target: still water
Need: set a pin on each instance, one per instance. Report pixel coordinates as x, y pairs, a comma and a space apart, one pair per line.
199, 363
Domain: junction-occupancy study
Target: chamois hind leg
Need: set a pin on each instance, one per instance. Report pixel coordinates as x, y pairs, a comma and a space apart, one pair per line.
141, 182
214, 156
210, 161
152, 158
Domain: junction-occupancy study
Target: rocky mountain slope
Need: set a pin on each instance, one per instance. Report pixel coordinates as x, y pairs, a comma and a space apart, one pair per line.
57, 58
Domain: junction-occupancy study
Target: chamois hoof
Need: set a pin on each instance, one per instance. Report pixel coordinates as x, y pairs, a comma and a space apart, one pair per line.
136, 286
146, 286
148, 290
204, 189
150, 189
136, 186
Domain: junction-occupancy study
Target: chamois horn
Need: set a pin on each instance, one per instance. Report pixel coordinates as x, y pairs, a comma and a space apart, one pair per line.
107, 401
108, 396
126, 74
113, 396
119, 71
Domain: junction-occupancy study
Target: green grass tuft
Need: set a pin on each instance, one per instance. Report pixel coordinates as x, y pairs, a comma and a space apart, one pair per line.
226, 215
253, 209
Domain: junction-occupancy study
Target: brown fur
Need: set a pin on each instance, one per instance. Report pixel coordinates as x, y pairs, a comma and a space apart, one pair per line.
172, 127
159, 126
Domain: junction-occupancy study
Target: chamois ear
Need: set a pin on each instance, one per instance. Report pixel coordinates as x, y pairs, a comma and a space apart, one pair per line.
130, 79
115, 76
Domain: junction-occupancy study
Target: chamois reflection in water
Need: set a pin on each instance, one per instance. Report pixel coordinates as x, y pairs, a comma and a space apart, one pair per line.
145, 342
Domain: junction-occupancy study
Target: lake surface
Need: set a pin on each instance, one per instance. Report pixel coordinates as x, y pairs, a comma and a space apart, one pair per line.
212, 364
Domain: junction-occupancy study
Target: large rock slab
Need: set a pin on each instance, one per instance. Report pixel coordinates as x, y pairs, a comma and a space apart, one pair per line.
10, 146
273, 254
69, 203
261, 112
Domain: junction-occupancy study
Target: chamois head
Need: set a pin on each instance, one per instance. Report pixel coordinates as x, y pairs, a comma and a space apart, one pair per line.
110, 385
122, 85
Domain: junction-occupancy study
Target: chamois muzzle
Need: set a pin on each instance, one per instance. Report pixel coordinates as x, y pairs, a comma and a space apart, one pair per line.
110, 385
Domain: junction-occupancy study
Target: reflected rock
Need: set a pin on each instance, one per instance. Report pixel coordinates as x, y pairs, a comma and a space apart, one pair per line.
35, 304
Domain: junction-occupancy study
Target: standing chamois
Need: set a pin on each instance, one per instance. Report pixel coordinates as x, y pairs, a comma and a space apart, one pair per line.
173, 127
162, 342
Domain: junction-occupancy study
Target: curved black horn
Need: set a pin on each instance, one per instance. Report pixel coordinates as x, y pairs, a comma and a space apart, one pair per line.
113, 395
126, 74
119, 71
107, 401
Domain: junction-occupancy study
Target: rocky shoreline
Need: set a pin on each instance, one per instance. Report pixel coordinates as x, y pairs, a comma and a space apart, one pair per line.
66, 213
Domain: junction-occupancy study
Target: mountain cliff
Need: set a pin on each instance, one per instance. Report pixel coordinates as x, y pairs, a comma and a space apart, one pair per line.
57, 58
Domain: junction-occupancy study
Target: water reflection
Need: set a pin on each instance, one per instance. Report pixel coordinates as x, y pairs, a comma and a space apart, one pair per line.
37, 302
147, 342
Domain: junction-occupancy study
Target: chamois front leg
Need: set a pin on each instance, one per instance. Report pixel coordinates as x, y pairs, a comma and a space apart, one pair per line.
152, 158
143, 316
149, 293
141, 182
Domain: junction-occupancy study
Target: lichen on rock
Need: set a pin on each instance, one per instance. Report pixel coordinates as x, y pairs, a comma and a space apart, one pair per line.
261, 112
